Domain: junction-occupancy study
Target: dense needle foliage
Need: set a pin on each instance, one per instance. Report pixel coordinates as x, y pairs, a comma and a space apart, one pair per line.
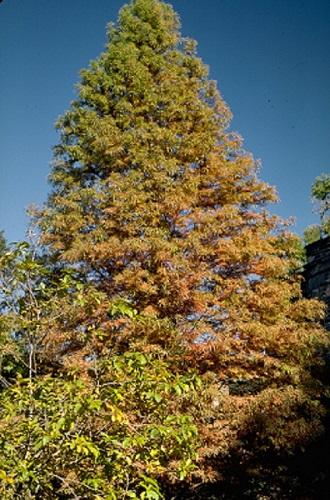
161, 328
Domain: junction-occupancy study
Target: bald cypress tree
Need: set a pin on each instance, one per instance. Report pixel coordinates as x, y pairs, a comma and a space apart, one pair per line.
158, 206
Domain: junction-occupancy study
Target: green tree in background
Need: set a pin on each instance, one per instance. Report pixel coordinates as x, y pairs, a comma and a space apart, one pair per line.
2, 242
321, 197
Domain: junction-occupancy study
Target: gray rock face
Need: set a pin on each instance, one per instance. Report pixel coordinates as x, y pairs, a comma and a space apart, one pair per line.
317, 273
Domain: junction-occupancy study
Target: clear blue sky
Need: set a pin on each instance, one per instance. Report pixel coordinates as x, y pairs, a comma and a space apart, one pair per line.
271, 59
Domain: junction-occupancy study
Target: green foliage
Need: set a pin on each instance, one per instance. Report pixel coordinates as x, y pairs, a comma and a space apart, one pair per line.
3, 244
312, 233
33, 295
321, 197
122, 308
109, 437
321, 190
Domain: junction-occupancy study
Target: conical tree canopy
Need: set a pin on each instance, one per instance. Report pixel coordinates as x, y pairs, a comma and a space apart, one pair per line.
161, 207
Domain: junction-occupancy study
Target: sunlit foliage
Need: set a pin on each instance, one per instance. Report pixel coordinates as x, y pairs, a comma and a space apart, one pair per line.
321, 198
105, 438
157, 245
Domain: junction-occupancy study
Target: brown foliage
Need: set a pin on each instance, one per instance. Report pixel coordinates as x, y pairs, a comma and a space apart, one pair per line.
158, 206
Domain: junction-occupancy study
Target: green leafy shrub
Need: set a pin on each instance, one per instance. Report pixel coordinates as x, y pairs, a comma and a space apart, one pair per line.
110, 436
